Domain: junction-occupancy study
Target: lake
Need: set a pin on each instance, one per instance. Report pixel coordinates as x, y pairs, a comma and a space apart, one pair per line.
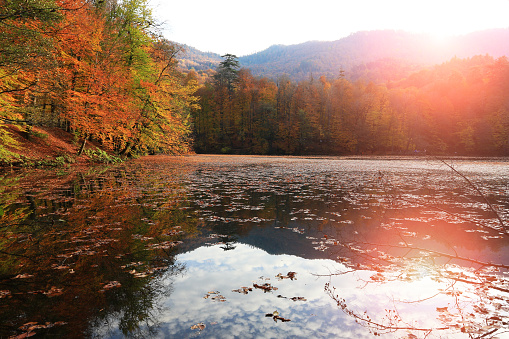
257, 247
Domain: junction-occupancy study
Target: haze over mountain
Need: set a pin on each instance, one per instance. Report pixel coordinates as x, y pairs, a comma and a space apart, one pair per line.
371, 55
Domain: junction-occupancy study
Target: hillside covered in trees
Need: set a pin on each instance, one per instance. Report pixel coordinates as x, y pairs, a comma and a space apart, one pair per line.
458, 107
101, 71
378, 56
97, 69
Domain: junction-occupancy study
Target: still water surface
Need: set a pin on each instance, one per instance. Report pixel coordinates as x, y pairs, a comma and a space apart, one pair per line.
257, 247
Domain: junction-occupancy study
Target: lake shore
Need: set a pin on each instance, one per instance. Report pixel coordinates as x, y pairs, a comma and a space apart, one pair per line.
50, 147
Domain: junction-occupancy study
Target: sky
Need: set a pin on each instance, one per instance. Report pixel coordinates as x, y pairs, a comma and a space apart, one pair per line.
242, 28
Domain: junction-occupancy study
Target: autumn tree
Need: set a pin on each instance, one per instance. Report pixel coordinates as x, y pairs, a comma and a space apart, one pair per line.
164, 100
96, 68
26, 46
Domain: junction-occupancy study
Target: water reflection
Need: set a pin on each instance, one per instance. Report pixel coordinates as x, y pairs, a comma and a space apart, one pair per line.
211, 269
84, 248
167, 247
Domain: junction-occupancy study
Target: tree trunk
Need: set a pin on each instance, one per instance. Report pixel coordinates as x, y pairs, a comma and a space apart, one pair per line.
82, 146
126, 149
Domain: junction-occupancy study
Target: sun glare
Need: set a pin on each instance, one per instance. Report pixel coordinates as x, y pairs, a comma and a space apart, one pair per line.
445, 19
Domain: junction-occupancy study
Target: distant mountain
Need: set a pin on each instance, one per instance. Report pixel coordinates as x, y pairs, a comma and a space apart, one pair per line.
192, 58
373, 55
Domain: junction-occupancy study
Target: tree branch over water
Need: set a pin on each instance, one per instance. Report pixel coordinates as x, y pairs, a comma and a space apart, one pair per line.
477, 288
471, 184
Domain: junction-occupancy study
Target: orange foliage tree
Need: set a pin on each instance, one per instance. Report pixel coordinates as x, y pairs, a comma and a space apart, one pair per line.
97, 69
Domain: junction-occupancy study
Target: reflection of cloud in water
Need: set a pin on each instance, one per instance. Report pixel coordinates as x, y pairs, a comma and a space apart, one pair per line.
212, 269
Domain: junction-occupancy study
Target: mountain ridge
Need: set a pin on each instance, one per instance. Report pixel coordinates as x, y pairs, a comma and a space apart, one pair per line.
360, 55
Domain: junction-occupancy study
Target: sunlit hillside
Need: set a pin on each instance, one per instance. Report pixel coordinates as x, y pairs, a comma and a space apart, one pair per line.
379, 56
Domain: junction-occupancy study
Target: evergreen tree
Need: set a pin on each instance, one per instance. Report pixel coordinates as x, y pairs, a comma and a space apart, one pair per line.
227, 73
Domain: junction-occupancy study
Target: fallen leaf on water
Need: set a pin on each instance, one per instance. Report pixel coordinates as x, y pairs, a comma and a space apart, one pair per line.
112, 284
54, 291
219, 298
244, 290
33, 325
215, 296
289, 275
23, 276
275, 315
276, 318
265, 287
199, 326
27, 325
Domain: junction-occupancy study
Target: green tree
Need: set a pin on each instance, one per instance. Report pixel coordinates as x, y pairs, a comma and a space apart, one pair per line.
225, 83
227, 73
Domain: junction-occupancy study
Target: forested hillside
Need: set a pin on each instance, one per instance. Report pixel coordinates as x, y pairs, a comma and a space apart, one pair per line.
458, 107
378, 56
95, 68
373, 56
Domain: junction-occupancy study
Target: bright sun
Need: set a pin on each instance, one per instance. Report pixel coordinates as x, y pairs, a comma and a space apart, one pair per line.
446, 18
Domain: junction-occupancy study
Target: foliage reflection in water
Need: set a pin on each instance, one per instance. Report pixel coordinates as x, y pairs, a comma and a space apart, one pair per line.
222, 246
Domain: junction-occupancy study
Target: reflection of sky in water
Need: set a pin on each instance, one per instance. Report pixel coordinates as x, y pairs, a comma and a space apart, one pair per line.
243, 316
212, 269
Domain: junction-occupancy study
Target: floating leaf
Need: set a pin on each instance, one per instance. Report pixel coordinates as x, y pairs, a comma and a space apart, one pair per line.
275, 315
215, 296
265, 287
111, 284
243, 290
54, 291
4, 293
199, 326
23, 276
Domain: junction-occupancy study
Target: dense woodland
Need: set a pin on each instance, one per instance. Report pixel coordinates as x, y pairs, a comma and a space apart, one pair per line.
96, 68
458, 107
101, 70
